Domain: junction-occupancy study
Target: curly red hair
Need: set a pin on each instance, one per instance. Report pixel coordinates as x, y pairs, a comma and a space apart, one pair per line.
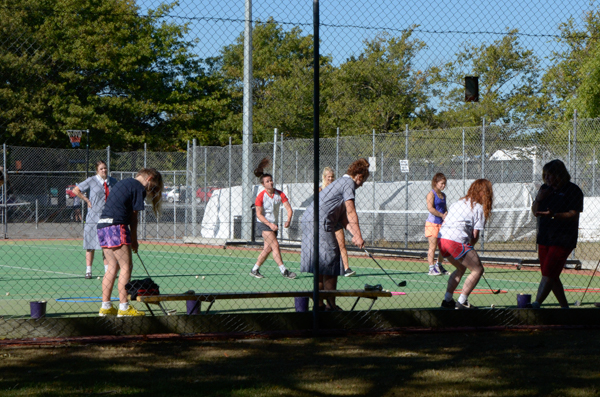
360, 166
481, 192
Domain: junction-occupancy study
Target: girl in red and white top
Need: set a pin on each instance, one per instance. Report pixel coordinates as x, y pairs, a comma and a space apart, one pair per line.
267, 211
459, 233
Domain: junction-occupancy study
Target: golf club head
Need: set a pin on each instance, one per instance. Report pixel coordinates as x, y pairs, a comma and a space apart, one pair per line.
402, 283
577, 303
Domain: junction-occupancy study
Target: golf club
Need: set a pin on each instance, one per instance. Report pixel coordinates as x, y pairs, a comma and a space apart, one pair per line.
493, 292
579, 302
400, 284
166, 312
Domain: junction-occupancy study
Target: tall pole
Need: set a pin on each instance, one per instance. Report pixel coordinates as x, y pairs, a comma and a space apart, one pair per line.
483, 149
247, 128
230, 209
274, 157
575, 146
316, 99
406, 188
87, 154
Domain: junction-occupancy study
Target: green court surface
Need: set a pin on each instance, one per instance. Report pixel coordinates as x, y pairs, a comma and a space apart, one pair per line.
52, 270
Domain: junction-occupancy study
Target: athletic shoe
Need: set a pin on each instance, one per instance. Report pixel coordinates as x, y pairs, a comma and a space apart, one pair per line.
463, 306
349, 273
88, 276
448, 305
288, 274
434, 271
108, 312
131, 312
440, 268
256, 273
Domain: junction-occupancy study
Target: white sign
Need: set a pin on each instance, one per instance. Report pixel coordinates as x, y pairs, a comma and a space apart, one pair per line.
404, 166
372, 164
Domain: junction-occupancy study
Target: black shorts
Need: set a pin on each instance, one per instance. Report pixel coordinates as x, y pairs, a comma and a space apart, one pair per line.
261, 227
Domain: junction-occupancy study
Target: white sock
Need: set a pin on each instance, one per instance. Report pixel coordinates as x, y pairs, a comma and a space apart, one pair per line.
88, 269
105, 269
448, 297
106, 305
462, 298
124, 306
282, 269
255, 268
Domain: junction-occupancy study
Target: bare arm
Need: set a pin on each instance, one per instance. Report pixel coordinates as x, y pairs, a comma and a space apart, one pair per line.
133, 226
290, 212
431, 206
353, 226
78, 193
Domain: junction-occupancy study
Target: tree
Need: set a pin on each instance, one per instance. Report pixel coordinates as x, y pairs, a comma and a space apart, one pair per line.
79, 64
379, 89
509, 84
282, 80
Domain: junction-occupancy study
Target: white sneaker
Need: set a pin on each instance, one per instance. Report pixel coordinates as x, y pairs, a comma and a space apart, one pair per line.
434, 271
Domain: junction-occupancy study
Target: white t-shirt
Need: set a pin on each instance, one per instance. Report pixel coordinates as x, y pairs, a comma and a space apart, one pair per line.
461, 221
270, 204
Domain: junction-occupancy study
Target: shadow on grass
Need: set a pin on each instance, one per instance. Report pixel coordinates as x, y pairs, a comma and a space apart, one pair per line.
434, 364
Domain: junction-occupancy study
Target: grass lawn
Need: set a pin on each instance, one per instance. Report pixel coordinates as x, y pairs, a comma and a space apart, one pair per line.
523, 363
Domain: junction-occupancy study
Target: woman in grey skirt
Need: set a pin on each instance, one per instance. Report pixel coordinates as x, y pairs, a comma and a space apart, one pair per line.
99, 187
336, 211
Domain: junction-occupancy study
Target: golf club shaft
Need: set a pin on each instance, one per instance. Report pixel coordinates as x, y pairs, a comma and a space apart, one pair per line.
386, 273
490, 287
142, 262
590, 283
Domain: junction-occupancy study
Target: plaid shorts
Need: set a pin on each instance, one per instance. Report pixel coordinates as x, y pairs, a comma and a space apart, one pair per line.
114, 236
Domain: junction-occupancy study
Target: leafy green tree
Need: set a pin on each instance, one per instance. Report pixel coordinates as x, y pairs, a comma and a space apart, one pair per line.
282, 81
79, 64
380, 89
508, 80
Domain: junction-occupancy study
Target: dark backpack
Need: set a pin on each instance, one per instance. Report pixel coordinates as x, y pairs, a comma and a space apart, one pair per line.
145, 287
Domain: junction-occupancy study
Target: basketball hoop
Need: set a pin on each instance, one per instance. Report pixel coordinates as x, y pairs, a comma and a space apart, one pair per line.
75, 137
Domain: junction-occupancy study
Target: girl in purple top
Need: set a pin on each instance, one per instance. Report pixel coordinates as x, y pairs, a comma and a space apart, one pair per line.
436, 205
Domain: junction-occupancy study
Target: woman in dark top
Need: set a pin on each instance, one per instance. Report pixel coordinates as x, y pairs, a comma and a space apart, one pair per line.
117, 233
557, 207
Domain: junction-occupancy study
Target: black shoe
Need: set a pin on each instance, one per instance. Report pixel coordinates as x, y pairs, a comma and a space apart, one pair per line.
463, 306
88, 276
288, 274
448, 305
349, 273
377, 287
256, 273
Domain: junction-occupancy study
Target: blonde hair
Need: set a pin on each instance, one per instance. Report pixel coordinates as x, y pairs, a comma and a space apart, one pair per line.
326, 170
154, 188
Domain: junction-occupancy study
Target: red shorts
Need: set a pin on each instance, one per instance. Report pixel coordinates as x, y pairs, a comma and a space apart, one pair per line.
453, 249
553, 259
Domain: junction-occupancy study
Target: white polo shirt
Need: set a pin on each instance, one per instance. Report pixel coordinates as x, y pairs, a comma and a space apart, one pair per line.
270, 204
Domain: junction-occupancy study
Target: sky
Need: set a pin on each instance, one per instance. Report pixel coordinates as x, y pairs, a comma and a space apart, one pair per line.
443, 25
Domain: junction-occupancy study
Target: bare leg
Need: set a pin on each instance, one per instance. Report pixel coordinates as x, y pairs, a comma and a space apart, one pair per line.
123, 254
89, 257
472, 262
111, 275
271, 245
341, 239
431, 250
330, 284
546, 285
264, 254
456, 275
559, 292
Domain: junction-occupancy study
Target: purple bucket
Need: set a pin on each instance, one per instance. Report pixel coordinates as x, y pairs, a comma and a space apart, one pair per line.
523, 300
193, 307
38, 309
301, 304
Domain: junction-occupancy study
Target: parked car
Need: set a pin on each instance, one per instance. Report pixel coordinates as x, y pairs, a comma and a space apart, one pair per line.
204, 193
176, 194
69, 191
165, 193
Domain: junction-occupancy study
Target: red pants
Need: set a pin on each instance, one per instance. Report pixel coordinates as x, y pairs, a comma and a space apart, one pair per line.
553, 259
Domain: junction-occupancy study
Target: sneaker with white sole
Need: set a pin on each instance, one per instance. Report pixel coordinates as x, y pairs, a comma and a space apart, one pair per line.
463, 306
287, 274
131, 312
88, 276
448, 304
108, 312
256, 273
434, 271
440, 268
349, 273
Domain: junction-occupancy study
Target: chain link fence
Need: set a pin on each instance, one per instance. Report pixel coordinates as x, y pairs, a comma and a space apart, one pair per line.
161, 85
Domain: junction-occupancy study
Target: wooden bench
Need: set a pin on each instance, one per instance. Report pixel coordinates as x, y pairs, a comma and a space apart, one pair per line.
214, 296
